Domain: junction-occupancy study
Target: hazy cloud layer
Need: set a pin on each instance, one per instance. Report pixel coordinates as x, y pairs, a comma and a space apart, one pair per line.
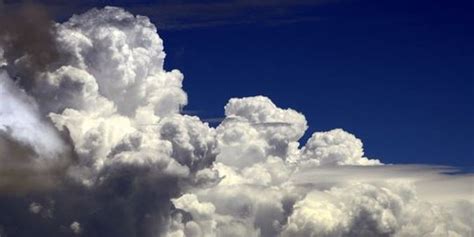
97, 146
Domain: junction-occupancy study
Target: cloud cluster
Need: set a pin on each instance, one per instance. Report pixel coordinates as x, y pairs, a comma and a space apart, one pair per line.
371, 210
110, 101
97, 146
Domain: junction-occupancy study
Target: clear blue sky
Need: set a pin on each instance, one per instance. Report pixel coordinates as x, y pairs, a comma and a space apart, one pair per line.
397, 74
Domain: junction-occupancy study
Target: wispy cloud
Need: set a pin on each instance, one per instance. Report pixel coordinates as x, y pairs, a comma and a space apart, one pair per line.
218, 13
428, 179
173, 15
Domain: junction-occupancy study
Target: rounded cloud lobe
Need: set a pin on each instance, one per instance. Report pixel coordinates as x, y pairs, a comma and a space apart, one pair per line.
101, 131
335, 147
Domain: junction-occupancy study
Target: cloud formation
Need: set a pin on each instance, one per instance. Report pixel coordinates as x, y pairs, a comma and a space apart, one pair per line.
97, 146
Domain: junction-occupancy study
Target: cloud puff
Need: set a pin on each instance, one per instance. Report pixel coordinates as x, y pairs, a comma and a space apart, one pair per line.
335, 147
76, 227
369, 210
255, 128
110, 88
98, 147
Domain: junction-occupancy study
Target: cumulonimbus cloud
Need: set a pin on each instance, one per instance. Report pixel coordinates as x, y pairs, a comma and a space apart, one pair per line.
102, 132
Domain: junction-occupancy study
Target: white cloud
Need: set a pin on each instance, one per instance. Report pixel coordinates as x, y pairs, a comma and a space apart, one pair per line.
255, 128
113, 102
335, 147
76, 227
35, 207
358, 209
20, 119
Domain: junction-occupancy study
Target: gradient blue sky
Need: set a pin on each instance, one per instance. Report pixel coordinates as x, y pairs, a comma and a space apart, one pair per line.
397, 74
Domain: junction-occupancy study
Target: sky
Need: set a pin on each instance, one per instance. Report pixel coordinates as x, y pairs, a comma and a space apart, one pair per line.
260, 131
398, 74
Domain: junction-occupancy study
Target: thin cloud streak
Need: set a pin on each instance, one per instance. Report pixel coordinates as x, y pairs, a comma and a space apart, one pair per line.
190, 15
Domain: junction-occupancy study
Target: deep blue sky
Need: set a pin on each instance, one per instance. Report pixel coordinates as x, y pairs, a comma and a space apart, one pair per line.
397, 74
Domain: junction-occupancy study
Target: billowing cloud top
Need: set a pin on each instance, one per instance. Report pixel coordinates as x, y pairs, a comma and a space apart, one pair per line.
96, 146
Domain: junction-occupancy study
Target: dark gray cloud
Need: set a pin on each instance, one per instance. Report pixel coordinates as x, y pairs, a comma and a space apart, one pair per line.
129, 202
27, 34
